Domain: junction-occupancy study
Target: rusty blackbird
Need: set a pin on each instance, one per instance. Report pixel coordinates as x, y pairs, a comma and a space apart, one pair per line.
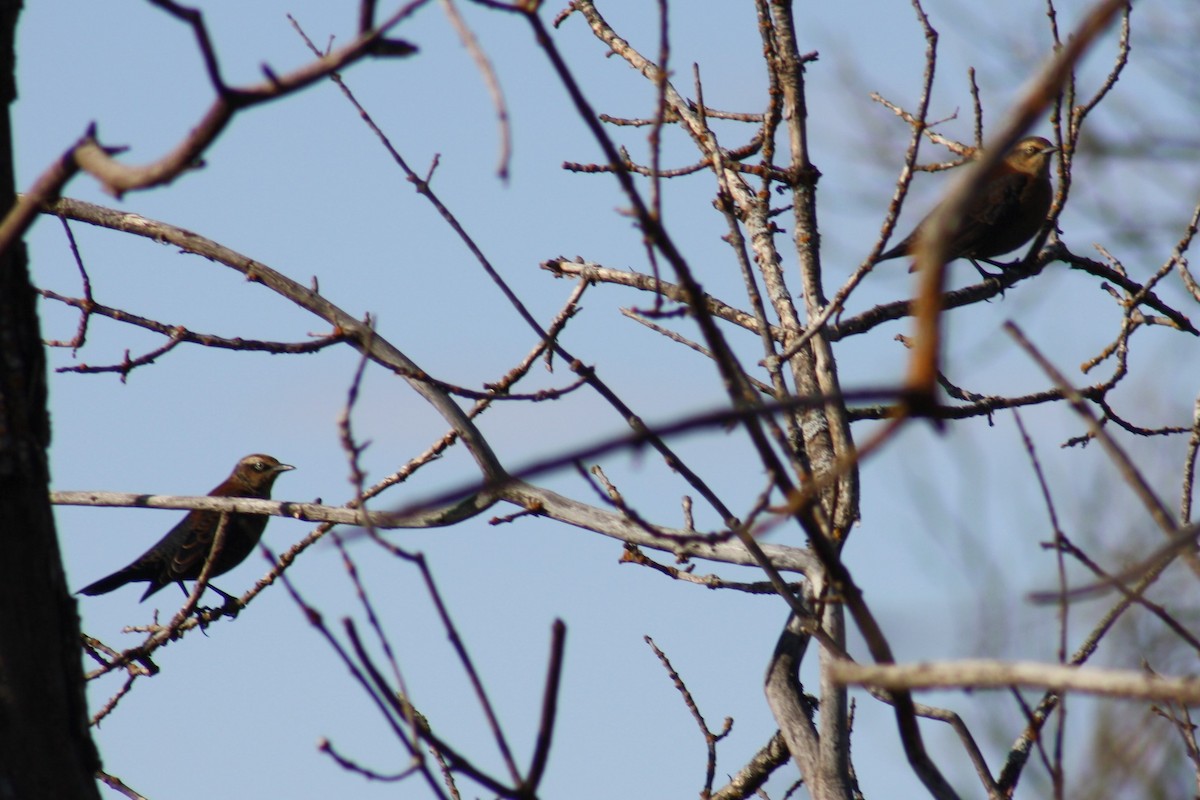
1005, 214
180, 555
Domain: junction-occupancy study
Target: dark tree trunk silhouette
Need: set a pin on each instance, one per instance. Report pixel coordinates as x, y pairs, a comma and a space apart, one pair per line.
45, 747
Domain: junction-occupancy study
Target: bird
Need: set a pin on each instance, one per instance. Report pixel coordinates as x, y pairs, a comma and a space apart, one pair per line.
1008, 210
181, 553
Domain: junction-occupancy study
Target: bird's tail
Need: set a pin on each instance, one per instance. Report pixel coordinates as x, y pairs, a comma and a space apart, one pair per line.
897, 251
154, 586
106, 585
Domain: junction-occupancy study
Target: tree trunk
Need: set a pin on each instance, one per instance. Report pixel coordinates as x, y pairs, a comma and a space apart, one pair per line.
45, 747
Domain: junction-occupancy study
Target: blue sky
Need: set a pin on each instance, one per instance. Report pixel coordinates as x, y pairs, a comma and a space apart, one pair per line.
951, 524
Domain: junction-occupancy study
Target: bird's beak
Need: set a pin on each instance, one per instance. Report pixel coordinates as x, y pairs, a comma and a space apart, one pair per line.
283, 468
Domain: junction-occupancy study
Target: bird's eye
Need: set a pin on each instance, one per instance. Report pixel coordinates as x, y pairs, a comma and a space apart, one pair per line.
259, 466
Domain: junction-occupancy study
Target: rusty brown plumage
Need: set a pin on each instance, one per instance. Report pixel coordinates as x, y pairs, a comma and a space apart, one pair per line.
181, 553
1007, 212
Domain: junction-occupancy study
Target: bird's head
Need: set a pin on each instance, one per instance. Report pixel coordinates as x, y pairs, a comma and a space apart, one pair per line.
1031, 155
258, 472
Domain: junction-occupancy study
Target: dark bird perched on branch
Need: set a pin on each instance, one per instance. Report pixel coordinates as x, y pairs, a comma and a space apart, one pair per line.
180, 555
1006, 213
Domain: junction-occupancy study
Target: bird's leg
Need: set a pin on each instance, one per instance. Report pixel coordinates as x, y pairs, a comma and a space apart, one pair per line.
199, 611
988, 277
983, 273
231, 608
1004, 265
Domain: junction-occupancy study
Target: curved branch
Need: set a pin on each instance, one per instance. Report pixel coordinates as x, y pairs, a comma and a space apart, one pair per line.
361, 336
682, 543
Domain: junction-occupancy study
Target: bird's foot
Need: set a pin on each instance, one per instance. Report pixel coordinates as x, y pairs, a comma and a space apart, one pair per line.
991, 279
204, 615
232, 607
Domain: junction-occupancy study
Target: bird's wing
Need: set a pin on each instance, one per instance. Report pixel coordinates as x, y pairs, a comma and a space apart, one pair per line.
191, 539
989, 211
